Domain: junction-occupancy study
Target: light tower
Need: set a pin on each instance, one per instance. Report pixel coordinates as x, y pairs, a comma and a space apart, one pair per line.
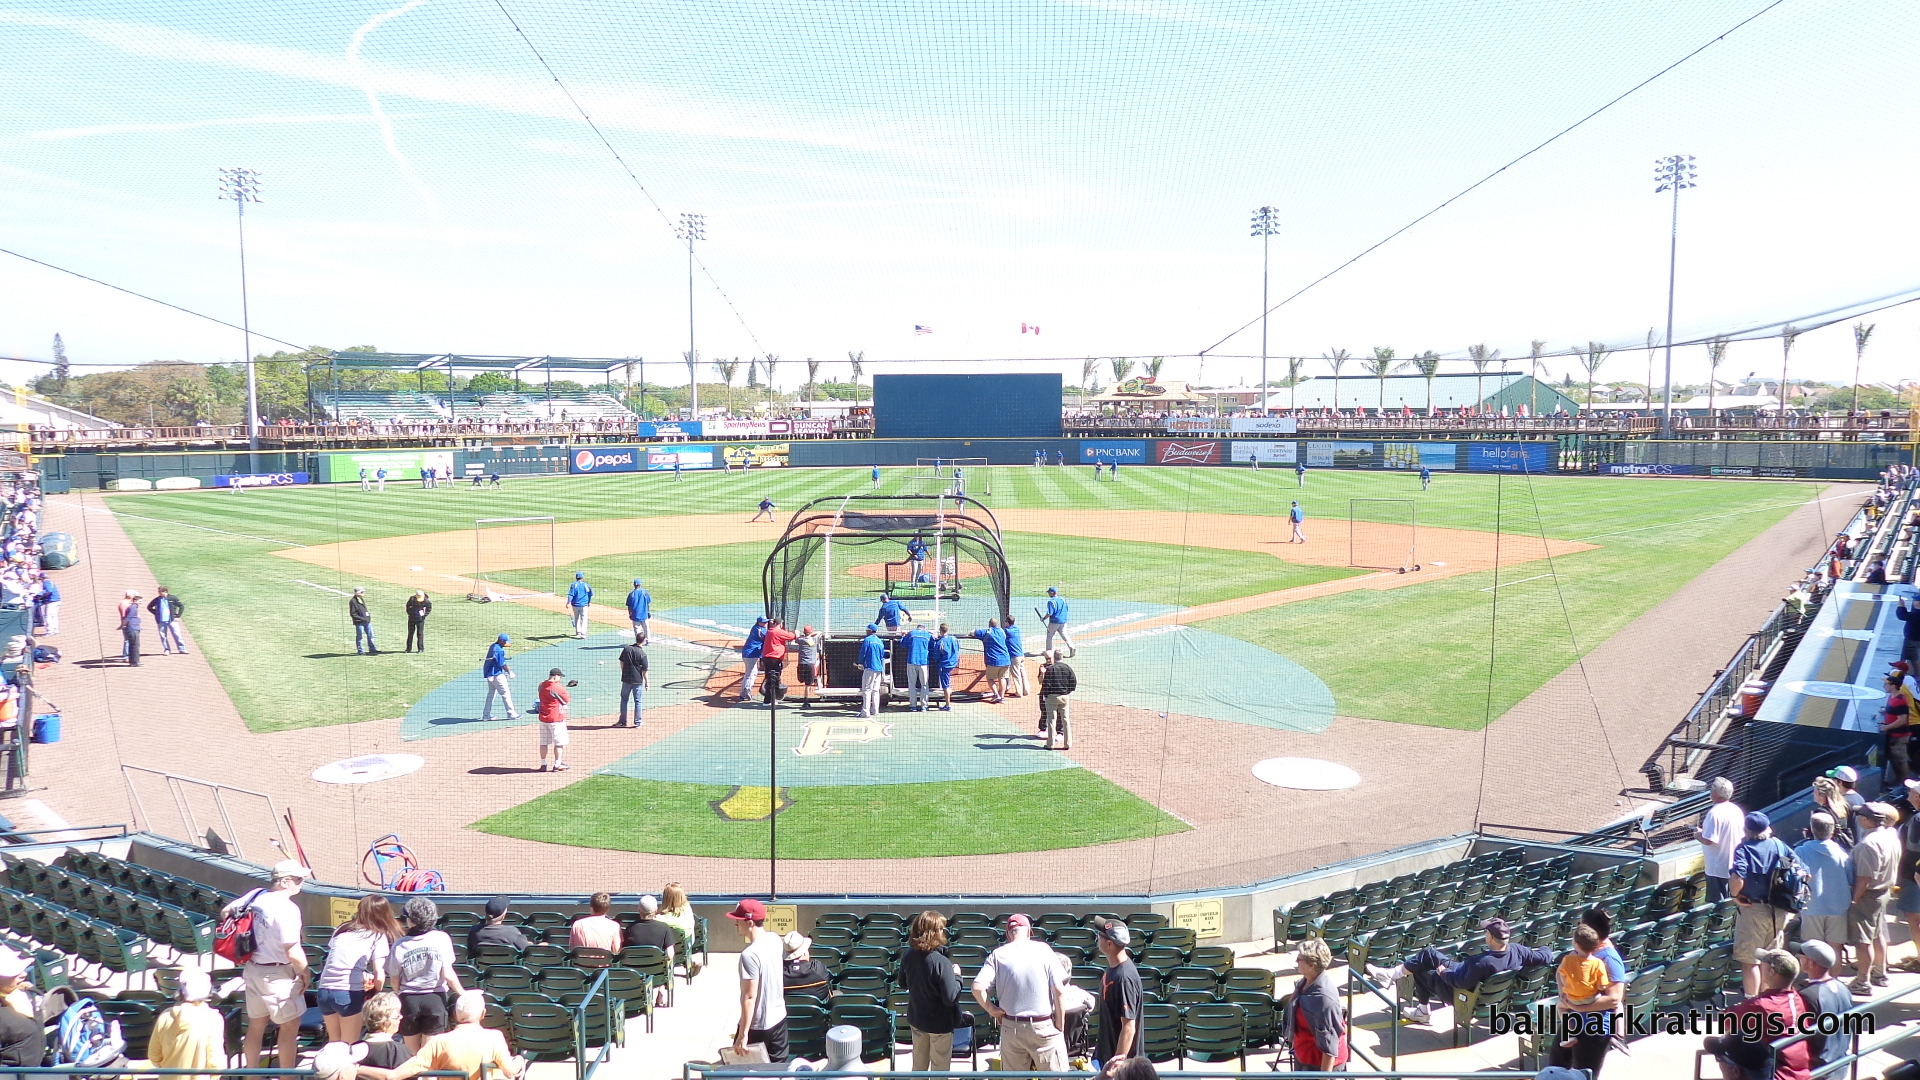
1675, 174
242, 186
692, 227
1266, 223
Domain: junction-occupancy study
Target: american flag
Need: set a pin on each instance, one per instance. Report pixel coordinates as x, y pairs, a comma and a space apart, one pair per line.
918, 329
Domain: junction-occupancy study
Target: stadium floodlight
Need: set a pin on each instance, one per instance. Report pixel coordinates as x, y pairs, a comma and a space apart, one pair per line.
1674, 173
692, 227
242, 186
1266, 223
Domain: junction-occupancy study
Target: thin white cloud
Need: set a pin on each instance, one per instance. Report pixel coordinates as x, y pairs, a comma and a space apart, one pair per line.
379, 115
626, 106
99, 130
1162, 10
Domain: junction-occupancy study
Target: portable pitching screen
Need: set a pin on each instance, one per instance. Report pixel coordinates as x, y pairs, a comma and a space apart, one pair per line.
513, 544
1383, 534
936, 475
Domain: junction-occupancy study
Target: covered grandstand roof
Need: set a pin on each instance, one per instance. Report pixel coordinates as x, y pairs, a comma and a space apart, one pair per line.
371, 361
1451, 391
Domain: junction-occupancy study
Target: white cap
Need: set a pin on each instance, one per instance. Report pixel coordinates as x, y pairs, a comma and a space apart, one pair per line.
336, 1057
291, 868
13, 965
649, 903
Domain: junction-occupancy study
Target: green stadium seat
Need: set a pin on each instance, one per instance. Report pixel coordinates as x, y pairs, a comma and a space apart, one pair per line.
1215, 1032
1491, 995
876, 1029
542, 1032
1160, 1032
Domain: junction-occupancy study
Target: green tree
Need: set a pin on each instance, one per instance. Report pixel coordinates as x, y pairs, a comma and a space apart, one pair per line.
1153, 367
61, 368
1088, 368
1379, 367
1428, 364
1591, 358
1122, 367
1295, 364
1716, 355
1483, 359
813, 376
1536, 349
858, 362
1336, 360
727, 369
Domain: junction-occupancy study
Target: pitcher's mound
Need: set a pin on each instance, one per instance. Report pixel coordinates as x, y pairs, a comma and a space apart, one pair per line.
878, 571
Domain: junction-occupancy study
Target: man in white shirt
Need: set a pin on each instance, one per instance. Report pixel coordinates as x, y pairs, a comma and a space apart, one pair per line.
1720, 831
276, 975
763, 1007
1025, 981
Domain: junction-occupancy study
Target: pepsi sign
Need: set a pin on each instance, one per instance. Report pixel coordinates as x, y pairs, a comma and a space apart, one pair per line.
606, 459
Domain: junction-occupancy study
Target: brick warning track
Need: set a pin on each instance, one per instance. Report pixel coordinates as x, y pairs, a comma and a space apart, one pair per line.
1540, 767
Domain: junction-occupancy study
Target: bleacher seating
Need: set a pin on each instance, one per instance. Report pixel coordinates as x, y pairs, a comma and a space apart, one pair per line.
535, 407
376, 407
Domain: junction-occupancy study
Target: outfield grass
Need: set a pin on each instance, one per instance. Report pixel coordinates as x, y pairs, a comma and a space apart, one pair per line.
882, 821
1417, 654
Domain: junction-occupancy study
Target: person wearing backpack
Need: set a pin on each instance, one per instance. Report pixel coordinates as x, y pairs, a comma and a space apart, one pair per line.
273, 964
1761, 920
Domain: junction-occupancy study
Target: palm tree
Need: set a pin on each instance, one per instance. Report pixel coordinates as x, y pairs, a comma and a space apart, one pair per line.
1861, 332
1428, 364
1087, 369
1787, 336
1122, 367
1336, 360
1716, 355
1378, 367
1535, 349
1152, 367
1294, 366
813, 376
858, 362
1482, 358
727, 369
766, 365
1652, 336
1591, 358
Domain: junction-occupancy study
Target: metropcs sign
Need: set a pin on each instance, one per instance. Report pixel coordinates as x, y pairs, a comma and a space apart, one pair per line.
606, 459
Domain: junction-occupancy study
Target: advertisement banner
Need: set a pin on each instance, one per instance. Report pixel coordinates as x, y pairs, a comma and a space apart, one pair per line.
1646, 470
738, 429
1186, 453
1510, 457
1777, 472
664, 458
605, 459
670, 429
1263, 425
247, 480
812, 429
1127, 452
749, 455
400, 464
1341, 455
1438, 457
1192, 425
1276, 453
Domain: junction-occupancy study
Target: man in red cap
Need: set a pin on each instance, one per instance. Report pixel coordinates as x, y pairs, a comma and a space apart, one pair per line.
763, 1006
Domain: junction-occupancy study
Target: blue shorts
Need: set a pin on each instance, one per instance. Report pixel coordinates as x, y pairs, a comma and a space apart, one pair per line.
945, 678
341, 1002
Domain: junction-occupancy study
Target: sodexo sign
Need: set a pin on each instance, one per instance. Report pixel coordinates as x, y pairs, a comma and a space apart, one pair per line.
606, 459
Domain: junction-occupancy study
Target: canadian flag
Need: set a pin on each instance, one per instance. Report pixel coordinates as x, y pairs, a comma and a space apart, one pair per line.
1025, 329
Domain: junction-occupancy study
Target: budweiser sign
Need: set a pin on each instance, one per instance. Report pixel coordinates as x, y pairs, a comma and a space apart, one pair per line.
1170, 452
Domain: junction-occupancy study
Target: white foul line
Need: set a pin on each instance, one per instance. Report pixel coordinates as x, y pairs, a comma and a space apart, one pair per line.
1504, 584
322, 588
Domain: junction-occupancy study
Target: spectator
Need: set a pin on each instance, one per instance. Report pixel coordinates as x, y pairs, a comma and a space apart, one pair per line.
496, 930
356, 963
276, 975
362, 620
129, 623
1904, 611
1057, 683
678, 914
1122, 1035
1758, 924
1589, 990
1137, 1068
552, 699
773, 660
801, 973
1829, 882
419, 606
763, 1009
597, 930
1022, 976
420, 968
633, 679
465, 1048
1876, 866
648, 929
1312, 1022
932, 982
1822, 993
383, 1051
191, 1034
1745, 1058
334, 1060
1906, 901
1828, 800
1844, 778
166, 610
1719, 834
1896, 726
1436, 975
808, 668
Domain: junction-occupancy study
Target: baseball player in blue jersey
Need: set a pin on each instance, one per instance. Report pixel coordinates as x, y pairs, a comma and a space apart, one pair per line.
892, 614
579, 596
919, 645
499, 678
873, 669
876, 477
945, 654
750, 651
766, 511
640, 608
993, 643
916, 557
1426, 478
1056, 618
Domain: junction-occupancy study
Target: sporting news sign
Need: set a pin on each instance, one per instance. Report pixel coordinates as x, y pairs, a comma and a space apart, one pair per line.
605, 459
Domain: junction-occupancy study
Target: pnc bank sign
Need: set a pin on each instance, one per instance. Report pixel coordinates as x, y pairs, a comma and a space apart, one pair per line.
606, 459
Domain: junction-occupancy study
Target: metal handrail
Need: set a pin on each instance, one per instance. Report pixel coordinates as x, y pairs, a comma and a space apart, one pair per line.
582, 1068
1851, 1060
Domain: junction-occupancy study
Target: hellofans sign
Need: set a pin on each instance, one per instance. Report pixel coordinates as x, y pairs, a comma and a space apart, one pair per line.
606, 459
1177, 452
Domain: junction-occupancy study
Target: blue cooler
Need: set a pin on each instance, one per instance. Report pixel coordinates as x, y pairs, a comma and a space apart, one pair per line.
46, 728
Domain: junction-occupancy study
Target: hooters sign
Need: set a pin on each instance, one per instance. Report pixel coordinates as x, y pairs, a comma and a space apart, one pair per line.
1173, 452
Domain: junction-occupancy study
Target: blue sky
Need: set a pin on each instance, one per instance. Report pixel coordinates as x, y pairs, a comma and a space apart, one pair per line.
1086, 165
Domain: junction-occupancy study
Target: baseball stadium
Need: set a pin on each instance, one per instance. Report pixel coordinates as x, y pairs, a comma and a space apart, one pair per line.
529, 697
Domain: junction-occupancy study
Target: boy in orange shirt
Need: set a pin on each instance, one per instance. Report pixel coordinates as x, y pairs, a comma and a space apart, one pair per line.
1582, 975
